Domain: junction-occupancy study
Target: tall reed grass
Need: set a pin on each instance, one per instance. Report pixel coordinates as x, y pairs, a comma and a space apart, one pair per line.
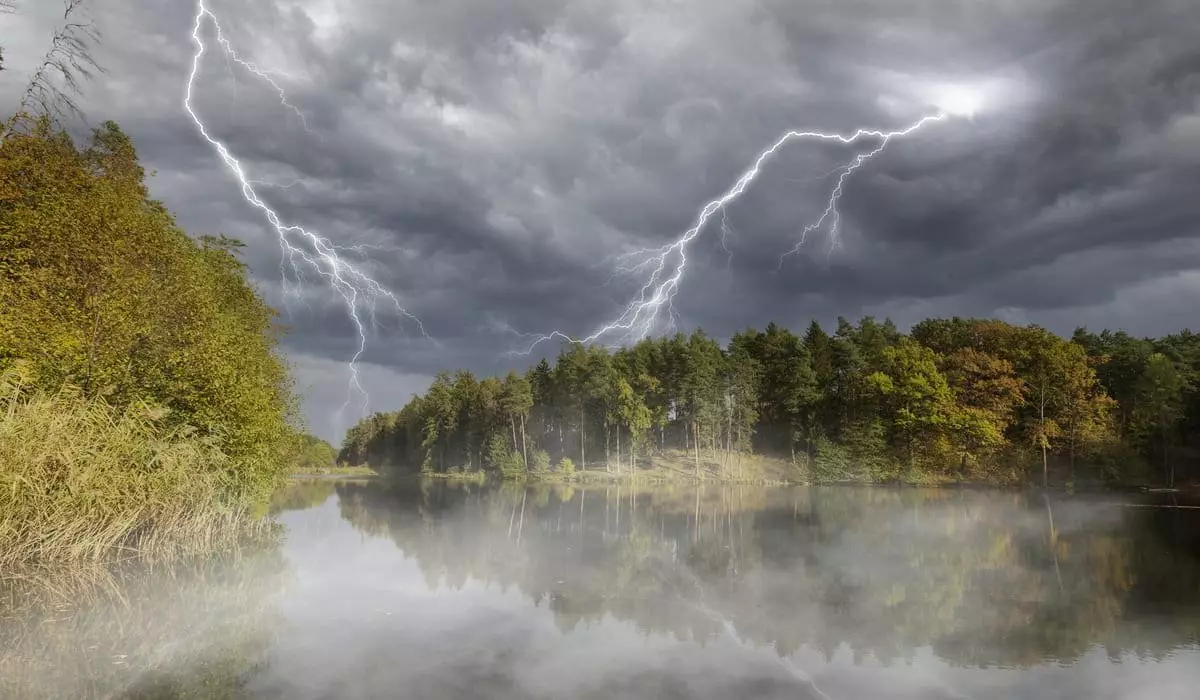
83, 480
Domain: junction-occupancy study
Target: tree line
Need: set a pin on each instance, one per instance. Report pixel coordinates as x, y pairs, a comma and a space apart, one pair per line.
954, 399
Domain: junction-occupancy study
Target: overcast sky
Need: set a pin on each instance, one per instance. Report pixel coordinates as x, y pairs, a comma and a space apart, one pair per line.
495, 156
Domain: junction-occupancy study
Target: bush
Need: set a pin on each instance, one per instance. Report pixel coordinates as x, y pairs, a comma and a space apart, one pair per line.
509, 462
566, 467
541, 461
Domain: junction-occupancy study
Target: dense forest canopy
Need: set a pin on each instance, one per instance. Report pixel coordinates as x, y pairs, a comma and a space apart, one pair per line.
954, 399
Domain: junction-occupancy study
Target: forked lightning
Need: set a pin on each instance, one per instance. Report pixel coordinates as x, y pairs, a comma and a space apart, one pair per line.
301, 248
666, 265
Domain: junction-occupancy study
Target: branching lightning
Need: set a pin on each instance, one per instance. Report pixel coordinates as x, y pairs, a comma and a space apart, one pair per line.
664, 267
831, 213
302, 249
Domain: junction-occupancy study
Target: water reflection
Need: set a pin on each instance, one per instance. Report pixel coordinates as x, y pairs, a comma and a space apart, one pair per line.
441, 591
983, 578
185, 629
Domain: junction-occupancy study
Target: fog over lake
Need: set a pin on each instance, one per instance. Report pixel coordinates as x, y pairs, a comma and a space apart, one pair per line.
435, 590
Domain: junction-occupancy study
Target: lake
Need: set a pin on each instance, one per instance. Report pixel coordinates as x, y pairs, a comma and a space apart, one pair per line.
436, 590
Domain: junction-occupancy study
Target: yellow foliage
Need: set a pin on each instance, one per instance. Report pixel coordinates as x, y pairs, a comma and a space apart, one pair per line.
99, 288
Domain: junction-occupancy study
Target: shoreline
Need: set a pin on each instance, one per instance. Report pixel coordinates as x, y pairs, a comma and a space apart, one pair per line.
597, 477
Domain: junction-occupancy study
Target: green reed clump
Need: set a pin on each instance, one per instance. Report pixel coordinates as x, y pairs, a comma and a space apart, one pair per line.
83, 480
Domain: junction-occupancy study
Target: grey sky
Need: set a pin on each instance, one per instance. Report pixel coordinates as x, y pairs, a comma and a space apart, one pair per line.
496, 155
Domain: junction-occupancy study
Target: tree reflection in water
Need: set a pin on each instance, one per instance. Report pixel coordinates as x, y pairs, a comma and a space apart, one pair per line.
983, 579
463, 591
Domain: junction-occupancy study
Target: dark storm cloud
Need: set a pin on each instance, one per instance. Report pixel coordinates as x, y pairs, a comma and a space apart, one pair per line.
495, 156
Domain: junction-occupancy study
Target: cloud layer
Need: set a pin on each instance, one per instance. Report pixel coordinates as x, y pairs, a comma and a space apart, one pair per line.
494, 157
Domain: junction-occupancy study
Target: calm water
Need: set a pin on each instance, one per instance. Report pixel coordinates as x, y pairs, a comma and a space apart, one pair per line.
440, 591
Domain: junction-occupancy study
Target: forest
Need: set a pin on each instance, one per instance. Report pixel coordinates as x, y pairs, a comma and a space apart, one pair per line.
953, 400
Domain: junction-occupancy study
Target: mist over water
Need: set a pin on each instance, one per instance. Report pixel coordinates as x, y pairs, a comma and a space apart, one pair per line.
433, 590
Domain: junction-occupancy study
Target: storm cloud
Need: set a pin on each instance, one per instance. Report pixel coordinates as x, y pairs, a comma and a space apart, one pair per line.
495, 157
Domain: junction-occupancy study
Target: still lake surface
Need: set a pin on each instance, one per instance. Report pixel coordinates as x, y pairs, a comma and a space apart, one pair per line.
436, 590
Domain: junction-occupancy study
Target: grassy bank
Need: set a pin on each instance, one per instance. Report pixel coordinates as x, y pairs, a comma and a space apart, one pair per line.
82, 480
677, 466
338, 471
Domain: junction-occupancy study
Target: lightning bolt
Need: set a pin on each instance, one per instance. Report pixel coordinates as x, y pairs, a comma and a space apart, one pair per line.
302, 249
664, 266
831, 212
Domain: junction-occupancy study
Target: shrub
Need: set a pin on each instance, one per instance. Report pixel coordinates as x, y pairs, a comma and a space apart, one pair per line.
566, 467
509, 462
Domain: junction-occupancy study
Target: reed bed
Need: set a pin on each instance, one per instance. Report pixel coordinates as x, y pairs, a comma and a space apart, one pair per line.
81, 480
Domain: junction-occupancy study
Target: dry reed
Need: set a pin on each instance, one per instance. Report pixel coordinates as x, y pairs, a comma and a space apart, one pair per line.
81, 480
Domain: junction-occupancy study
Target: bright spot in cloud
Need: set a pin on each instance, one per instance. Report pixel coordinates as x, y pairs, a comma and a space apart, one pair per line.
959, 101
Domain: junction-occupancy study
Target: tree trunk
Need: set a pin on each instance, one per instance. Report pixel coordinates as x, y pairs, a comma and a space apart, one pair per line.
696, 441
1167, 470
607, 442
729, 436
714, 442
1071, 454
524, 449
618, 448
1044, 439
582, 433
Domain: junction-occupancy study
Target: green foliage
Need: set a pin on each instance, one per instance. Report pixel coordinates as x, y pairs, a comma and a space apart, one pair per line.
101, 289
146, 397
566, 467
313, 454
503, 458
301, 495
540, 462
955, 400
1159, 408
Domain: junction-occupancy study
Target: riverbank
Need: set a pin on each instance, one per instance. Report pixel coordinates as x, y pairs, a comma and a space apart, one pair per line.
677, 466
335, 473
